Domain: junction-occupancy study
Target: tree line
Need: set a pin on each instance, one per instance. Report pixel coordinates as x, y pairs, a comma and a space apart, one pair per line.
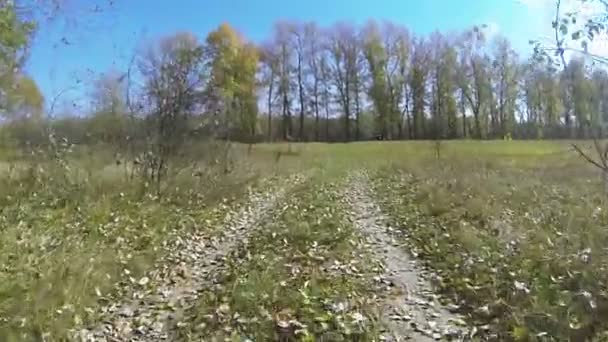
381, 80
339, 83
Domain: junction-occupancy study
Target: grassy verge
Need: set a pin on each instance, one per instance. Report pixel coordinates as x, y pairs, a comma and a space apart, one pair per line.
65, 250
521, 249
299, 278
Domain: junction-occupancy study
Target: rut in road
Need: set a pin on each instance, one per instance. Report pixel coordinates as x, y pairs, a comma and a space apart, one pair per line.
413, 311
191, 265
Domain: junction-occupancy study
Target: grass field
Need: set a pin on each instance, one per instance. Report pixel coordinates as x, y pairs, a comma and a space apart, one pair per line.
509, 236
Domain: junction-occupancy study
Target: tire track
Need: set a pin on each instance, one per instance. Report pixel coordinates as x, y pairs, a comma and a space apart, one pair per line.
192, 265
414, 311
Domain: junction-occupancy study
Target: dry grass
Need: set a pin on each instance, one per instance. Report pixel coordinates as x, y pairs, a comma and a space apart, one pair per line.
518, 237
517, 228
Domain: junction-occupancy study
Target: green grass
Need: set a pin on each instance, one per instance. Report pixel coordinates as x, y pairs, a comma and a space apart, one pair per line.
516, 229
287, 278
519, 244
69, 231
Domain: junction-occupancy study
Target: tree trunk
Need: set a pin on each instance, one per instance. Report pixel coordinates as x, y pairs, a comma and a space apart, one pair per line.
501, 110
270, 88
285, 120
287, 125
605, 179
301, 93
400, 125
407, 113
357, 112
326, 100
438, 110
346, 101
347, 123
316, 99
477, 122
389, 116
403, 116
464, 116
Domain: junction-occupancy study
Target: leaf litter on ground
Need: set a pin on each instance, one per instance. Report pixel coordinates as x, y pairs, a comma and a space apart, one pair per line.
411, 309
303, 279
159, 299
519, 266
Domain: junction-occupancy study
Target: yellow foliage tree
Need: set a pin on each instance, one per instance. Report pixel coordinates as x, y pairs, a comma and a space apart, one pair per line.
232, 87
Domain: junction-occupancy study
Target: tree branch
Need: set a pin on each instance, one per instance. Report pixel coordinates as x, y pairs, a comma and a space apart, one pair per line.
57, 96
559, 44
588, 158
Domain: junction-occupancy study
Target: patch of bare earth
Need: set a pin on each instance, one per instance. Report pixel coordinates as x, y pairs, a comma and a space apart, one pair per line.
411, 310
159, 301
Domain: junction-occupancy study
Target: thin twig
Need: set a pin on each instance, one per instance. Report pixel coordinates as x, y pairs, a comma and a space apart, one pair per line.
128, 88
587, 157
600, 152
603, 153
595, 57
556, 29
56, 98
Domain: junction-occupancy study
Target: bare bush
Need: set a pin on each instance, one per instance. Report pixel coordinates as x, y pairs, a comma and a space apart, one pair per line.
173, 74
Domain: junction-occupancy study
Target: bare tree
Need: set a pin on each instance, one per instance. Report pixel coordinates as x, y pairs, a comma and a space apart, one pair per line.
174, 75
314, 58
344, 49
109, 119
418, 84
281, 39
325, 80
473, 77
357, 79
298, 33
403, 50
505, 87
270, 65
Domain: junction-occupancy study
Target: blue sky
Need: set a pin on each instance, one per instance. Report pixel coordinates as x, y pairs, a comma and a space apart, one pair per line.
98, 41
